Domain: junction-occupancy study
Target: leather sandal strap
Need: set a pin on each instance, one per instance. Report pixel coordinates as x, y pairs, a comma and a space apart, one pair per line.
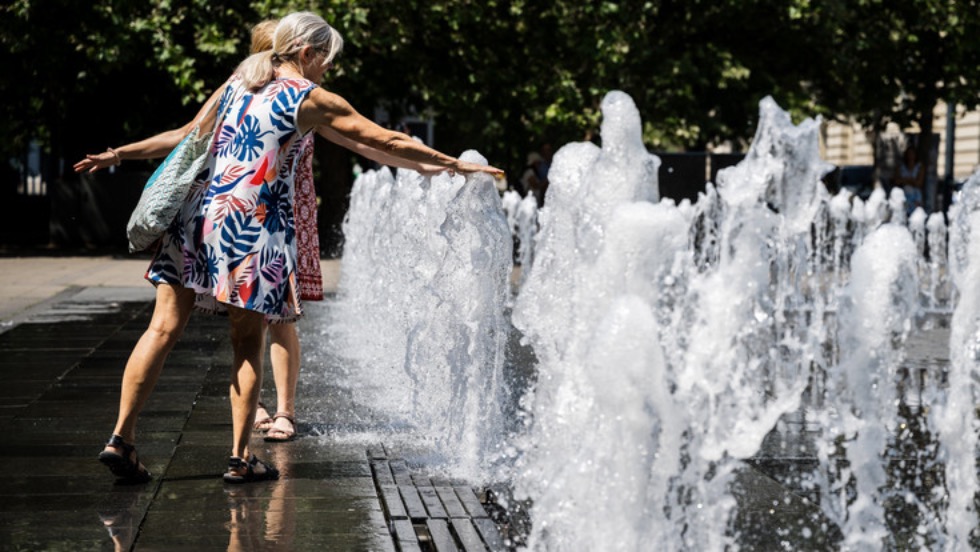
278, 415
254, 461
116, 441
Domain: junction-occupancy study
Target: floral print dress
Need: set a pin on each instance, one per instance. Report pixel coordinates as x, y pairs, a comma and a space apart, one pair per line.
234, 240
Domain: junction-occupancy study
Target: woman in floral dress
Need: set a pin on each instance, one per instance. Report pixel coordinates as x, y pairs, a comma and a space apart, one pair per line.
232, 247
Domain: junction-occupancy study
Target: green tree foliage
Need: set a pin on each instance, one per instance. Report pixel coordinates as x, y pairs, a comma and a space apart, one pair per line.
894, 60
504, 76
500, 75
83, 75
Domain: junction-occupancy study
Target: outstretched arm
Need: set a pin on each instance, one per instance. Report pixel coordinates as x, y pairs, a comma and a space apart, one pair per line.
324, 109
150, 148
377, 156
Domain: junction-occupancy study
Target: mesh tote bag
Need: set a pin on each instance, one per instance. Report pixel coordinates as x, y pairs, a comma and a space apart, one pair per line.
167, 187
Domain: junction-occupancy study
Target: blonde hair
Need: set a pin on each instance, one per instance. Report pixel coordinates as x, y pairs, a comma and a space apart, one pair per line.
262, 35
293, 33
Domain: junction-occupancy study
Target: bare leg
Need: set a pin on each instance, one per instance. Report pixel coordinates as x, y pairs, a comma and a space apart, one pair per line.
248, 342
170, 315
285, 355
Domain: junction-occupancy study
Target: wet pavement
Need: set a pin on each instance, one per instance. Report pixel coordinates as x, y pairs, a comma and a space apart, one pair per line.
61, 369
62, 353
64, 338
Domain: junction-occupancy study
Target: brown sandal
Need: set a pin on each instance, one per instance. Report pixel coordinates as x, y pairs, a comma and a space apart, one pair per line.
283, 435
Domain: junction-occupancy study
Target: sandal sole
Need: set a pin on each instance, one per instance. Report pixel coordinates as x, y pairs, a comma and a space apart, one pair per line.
240, 479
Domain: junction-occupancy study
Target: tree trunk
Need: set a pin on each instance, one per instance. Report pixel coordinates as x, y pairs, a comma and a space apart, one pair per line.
925, 151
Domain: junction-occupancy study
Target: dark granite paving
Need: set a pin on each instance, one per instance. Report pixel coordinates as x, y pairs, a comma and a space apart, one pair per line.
60, 372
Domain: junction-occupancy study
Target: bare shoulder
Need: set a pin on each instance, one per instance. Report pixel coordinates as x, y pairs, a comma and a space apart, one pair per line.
321, 99
323, 108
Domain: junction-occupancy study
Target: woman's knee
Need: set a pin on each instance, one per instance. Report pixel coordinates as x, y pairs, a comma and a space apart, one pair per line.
172, 310
166, 331
282, 334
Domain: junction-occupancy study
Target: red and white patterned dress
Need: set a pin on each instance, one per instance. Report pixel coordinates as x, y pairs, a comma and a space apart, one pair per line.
307, 237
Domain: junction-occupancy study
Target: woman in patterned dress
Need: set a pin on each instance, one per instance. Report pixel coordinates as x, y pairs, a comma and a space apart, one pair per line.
232, 246
284, 342
285, 352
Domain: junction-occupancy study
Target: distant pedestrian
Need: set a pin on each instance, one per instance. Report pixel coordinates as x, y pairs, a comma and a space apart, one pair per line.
531, 177
547, 152
911, 177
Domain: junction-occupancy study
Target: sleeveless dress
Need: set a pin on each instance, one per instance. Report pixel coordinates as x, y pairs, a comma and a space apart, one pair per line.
234, 240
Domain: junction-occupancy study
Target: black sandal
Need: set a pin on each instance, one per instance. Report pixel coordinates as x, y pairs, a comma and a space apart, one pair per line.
236, 463
125, 466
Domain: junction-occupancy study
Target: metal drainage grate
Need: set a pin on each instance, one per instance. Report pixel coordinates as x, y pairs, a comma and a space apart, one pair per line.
431, 514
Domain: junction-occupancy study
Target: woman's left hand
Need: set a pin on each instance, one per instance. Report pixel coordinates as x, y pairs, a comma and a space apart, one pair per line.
92, 163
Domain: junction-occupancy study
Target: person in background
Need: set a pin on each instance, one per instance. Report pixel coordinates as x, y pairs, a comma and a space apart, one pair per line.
547, 153
232, 246
285, 353
911, 177
530, 179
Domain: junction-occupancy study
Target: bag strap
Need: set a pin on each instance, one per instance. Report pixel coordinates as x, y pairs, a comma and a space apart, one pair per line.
211, 107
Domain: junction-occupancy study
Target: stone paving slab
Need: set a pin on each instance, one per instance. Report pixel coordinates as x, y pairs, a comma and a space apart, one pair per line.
61, 365
29, 282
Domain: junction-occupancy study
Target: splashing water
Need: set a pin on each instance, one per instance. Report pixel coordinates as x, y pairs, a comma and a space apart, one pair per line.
522, 217
876, 317
957, 416
674, 343
671, 341
711, 381
419, 315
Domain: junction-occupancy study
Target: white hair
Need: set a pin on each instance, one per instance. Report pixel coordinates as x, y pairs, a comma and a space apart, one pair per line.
293, 33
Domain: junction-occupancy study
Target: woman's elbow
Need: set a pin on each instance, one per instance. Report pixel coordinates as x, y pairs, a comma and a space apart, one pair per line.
393, 144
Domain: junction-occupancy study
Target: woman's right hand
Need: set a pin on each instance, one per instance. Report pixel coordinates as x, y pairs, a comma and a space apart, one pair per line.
465, 167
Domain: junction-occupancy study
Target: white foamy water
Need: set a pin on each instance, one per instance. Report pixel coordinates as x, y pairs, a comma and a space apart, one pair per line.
956, 418
419, 316
672, 342
705, 383
862, 400
522, 218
